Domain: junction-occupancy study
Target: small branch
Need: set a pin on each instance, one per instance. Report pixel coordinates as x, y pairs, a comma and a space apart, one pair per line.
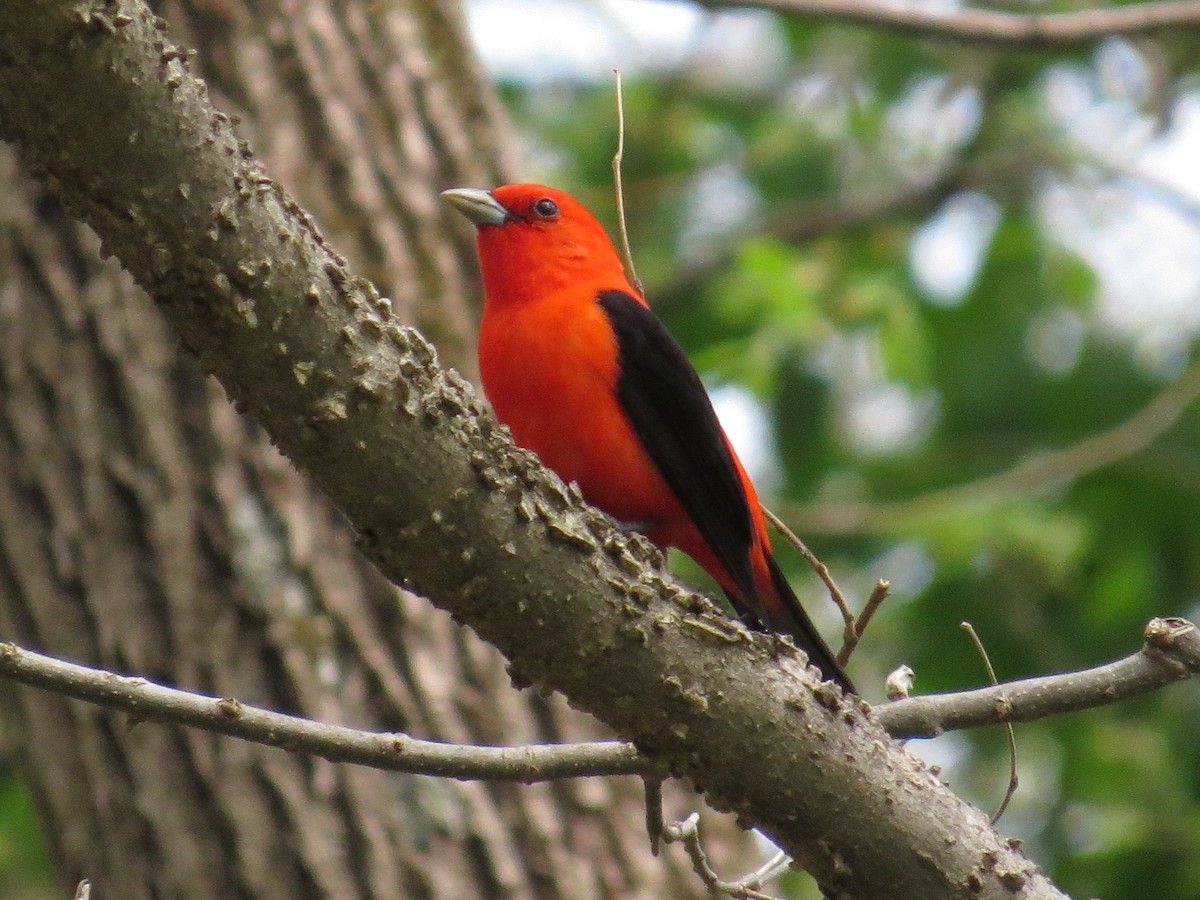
336, 743
1172, 653
878, 594
687, 833
853, 628
1012, 737
988, 27
655, 827
817, 566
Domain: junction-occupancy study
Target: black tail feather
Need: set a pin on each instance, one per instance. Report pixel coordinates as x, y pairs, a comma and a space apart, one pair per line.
794, 621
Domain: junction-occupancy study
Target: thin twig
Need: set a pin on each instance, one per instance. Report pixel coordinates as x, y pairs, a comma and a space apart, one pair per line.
652, 785
819, 567
616, 168
1031, 31
878, 594
852, 627
395, 752
1012, 735
768, 871
687, 833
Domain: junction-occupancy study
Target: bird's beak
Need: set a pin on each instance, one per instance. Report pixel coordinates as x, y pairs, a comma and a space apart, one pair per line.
478, 206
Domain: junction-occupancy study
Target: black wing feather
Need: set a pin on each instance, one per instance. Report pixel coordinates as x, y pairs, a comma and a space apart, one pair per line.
797, 623
669, 409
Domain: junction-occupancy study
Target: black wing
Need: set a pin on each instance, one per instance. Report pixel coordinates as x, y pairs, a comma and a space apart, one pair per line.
669, 409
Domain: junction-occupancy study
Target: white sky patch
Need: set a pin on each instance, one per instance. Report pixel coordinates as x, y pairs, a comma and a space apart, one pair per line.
1122, 71
1054, 339
946, 251
888, 418
539, 40
720, 203
907, 565
742, 52
749, 430
931, 120
1143, 250
1137, 223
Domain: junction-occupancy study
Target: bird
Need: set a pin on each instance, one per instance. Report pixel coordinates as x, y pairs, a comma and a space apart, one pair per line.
586, 376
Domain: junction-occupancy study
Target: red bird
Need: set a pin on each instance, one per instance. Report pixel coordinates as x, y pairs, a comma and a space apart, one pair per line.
587, 377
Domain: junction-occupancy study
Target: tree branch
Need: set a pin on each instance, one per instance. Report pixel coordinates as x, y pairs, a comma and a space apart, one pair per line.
1171, 653
391, 751
988, 27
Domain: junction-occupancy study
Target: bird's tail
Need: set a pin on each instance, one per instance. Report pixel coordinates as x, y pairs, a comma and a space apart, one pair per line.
788, 617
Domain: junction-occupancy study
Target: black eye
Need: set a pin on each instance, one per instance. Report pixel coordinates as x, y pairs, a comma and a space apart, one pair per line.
546, 208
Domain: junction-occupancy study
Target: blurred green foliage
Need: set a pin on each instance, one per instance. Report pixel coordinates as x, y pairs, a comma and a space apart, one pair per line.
785, 232
24, 866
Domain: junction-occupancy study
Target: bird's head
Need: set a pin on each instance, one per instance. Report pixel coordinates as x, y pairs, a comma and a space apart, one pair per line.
534, 240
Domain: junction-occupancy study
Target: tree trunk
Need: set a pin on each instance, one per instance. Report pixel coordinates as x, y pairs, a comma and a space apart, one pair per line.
146, 527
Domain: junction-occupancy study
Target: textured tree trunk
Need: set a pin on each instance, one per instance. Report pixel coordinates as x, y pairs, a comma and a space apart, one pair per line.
146, 527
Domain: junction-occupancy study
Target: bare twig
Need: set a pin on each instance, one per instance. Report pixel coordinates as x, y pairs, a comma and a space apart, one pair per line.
1172, 653
852, 627
819, 567
878, 594
687, 833
395, 752
616, 168
1038, 472
1012, 737
989, 27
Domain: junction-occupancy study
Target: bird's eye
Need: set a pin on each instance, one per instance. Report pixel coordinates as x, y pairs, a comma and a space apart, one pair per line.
546, 208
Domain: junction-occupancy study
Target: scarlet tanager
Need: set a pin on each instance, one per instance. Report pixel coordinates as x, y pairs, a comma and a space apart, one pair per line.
587, 377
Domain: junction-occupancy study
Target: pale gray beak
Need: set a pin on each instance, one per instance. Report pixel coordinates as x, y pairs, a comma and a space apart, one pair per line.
477, 205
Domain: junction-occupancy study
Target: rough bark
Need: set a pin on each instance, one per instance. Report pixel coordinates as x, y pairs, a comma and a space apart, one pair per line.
147, 528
